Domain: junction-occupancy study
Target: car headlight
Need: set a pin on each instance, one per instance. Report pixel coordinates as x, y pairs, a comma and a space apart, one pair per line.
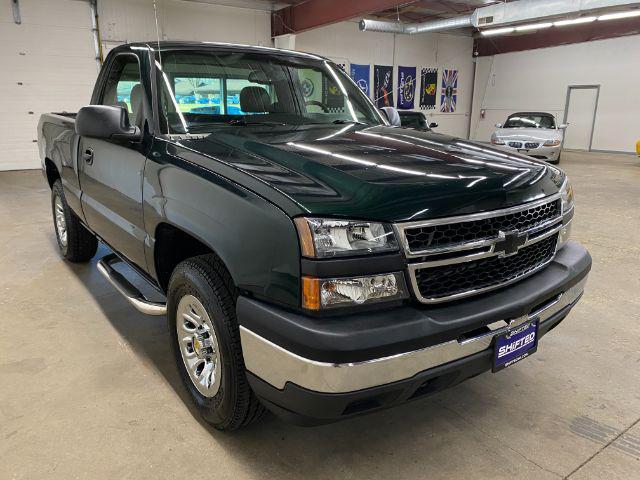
496, 141
566, 194
327, 293
325, 237
551, 143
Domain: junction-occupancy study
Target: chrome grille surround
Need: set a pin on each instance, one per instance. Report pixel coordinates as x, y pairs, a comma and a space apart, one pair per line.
478, 249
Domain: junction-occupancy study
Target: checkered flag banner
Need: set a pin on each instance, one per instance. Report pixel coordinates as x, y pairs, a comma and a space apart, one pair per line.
428, 84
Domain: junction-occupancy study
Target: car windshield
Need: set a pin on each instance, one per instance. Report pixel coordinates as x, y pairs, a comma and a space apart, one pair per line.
413, 120
202, 91
530, 120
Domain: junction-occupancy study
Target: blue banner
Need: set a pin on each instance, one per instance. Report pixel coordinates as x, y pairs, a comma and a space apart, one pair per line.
360, 75
406, 87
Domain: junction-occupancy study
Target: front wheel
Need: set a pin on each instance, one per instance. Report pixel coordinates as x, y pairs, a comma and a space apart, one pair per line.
206, 343
76, 243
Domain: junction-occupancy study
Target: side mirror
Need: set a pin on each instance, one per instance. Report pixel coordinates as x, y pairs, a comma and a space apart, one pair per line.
563, 126
392, 115
433, 125
498, 125
110, 123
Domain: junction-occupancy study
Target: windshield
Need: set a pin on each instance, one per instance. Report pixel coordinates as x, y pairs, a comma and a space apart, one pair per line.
413, 120
202, 91
530, 120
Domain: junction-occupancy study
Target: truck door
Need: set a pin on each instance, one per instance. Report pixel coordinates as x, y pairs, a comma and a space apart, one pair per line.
111, 172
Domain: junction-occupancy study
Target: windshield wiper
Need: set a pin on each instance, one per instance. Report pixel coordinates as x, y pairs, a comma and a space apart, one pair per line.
344, 122
243, 123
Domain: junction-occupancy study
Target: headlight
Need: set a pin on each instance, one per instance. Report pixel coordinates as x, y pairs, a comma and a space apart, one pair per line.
321, 294
496, 141
551, 143
566, 193
323, 238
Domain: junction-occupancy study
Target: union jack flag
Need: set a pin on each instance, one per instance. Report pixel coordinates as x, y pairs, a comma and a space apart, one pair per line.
449, 93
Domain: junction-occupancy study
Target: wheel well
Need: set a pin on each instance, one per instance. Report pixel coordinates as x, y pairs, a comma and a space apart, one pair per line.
172, 246
52, 172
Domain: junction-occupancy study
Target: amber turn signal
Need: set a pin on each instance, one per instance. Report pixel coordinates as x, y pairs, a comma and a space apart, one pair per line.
307, 247
310, 293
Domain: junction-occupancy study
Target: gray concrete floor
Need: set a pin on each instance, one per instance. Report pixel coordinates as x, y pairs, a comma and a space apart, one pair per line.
88, 388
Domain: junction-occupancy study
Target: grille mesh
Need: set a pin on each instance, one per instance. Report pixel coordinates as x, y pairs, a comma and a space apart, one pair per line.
439, 236
531, 145
448, 280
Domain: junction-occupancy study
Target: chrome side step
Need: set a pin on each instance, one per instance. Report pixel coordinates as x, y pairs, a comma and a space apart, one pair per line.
129, 291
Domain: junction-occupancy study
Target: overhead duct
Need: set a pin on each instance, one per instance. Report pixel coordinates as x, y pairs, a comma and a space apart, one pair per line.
500, 14
411, 28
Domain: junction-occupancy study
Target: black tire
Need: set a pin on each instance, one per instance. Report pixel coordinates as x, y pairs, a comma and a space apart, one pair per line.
206, 278
81, 245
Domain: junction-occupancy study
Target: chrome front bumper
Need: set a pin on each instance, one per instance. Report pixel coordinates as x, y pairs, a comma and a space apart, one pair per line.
277, 366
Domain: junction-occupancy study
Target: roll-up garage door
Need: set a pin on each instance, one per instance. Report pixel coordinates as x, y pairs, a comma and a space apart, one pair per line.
47, 63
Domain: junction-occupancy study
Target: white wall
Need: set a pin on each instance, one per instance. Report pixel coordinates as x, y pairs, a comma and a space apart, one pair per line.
123, 21
47, 64
538, 79
343, 41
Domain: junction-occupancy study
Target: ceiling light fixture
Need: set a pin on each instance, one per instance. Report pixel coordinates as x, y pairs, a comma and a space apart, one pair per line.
497, 31
617, 15
533, 26
573, 21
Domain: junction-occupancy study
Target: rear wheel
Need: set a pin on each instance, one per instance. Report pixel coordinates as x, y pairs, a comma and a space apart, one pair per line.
76, 243
206, 343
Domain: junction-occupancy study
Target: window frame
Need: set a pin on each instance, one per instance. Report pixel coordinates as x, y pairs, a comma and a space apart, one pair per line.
98, 96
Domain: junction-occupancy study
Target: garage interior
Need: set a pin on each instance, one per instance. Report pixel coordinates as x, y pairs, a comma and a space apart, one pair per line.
89, 387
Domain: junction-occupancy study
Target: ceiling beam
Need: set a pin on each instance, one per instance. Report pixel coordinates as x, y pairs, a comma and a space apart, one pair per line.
444, 6
484, 46
318, 13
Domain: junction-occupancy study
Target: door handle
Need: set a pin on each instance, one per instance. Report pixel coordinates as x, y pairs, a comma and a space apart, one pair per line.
87, 155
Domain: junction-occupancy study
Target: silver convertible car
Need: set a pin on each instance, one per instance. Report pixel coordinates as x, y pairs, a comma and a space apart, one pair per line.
532, 133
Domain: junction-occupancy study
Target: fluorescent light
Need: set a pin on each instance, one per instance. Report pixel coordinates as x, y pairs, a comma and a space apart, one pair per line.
615, 16
497, 31
573, 21
533, 26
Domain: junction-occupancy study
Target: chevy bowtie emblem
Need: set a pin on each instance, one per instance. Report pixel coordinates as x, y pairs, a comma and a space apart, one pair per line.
509, 243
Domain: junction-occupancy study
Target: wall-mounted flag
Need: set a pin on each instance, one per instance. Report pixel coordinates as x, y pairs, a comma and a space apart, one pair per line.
428, 84
383, 85
360, 75
406, 87
449, 93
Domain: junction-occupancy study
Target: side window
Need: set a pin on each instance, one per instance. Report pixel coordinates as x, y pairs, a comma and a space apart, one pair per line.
123, 87
321, 93
201, 95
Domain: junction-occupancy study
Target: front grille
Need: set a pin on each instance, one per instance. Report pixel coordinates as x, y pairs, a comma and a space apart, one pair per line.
531, 145
515, 144
424, 238
470, 277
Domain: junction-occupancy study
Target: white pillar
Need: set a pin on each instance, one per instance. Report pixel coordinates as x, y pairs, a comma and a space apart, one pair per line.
287, 41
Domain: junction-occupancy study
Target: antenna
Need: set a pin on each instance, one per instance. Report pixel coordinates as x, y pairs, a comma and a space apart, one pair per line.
155, 14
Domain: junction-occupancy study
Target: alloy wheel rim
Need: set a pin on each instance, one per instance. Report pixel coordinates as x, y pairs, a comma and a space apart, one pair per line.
198, 345
61, 222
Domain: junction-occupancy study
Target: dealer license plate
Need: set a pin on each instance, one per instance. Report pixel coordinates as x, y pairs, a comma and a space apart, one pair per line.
514, 345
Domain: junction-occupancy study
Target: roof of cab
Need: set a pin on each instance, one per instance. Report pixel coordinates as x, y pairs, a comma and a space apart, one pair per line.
183, 45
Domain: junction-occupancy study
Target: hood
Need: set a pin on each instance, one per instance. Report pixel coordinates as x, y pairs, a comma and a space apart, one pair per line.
380, 173
528, 134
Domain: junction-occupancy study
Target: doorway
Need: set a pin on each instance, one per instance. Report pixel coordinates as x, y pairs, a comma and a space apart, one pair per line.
580, 114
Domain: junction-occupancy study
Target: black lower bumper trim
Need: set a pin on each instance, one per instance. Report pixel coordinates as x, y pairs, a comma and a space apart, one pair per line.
304, 407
